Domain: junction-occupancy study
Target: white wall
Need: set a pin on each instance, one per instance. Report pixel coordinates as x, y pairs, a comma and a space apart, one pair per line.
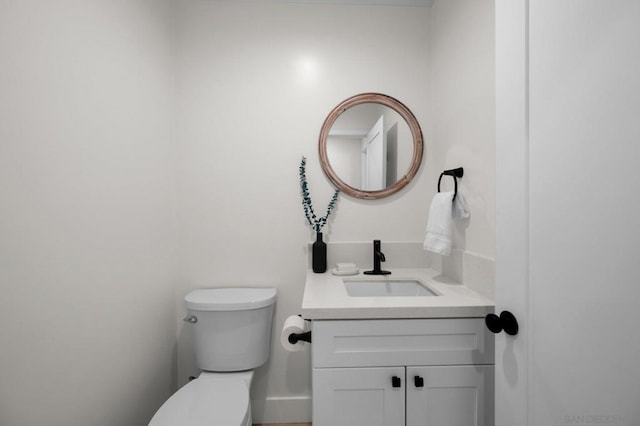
462, 128
255, 85
87, 307
93, 274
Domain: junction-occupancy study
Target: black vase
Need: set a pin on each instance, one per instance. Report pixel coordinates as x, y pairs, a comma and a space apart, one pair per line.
319, 255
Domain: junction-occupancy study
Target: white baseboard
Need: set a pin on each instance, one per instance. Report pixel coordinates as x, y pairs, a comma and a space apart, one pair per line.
290, 409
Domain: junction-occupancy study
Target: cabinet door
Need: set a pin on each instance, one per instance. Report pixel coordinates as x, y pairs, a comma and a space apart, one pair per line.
358, 396
450, 396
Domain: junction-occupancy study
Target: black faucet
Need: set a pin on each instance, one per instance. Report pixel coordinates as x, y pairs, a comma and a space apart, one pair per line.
378, 257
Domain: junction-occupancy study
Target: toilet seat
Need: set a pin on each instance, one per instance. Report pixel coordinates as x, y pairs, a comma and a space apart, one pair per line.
209, 400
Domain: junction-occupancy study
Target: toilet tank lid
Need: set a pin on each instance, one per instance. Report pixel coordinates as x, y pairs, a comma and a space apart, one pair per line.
229, 299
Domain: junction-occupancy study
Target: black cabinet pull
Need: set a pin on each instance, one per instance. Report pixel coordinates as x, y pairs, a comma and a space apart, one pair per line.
396, 382
506, 321
418, 381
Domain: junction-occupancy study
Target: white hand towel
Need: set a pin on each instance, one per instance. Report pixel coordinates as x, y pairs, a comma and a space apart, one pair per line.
460, 210
438, 237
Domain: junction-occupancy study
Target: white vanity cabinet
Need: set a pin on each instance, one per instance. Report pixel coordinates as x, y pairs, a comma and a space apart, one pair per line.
457, 395
394, 372
358, 396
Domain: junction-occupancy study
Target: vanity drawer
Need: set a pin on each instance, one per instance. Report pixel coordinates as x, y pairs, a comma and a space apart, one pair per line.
380, 343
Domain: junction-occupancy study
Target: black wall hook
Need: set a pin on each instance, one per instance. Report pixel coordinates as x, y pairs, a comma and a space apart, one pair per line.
455, 173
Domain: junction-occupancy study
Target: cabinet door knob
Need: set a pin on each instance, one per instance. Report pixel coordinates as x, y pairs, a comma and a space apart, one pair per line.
418, 381
506, 321
396, 382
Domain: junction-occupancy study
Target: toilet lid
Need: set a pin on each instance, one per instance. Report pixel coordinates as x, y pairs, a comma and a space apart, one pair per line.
230, 299
206, 401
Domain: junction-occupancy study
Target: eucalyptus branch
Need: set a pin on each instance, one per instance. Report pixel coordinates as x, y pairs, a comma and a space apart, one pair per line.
316, 223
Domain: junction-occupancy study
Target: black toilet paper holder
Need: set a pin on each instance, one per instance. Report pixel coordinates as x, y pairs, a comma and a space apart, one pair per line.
296, 337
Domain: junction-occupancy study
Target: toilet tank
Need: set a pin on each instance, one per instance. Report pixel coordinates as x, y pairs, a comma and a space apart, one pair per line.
232, 327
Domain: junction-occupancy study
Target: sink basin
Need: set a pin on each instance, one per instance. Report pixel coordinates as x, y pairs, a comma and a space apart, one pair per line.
387, 287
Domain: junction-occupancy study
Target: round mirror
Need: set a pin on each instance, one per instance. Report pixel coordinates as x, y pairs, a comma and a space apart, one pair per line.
370, 146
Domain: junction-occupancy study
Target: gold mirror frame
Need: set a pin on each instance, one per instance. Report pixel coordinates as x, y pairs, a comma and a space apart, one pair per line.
408, 117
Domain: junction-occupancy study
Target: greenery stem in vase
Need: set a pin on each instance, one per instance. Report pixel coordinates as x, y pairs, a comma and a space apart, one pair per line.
317, 223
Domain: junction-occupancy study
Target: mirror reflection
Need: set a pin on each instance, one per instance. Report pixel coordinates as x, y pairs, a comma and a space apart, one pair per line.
370, 146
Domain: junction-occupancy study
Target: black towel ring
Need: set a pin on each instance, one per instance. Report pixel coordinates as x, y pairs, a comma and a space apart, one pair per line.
455, 173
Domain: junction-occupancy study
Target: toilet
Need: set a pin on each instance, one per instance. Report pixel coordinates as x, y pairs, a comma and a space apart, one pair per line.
232, 335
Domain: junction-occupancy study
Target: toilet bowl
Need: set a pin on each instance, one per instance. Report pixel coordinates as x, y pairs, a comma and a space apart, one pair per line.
232, 336
220, 399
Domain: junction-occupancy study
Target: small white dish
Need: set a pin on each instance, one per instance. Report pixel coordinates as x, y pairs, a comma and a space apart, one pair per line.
346, 272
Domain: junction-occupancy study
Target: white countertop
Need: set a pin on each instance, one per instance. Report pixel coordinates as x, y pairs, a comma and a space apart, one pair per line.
325, 297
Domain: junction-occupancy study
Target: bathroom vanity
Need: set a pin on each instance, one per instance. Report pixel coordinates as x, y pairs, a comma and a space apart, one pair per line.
410, 348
